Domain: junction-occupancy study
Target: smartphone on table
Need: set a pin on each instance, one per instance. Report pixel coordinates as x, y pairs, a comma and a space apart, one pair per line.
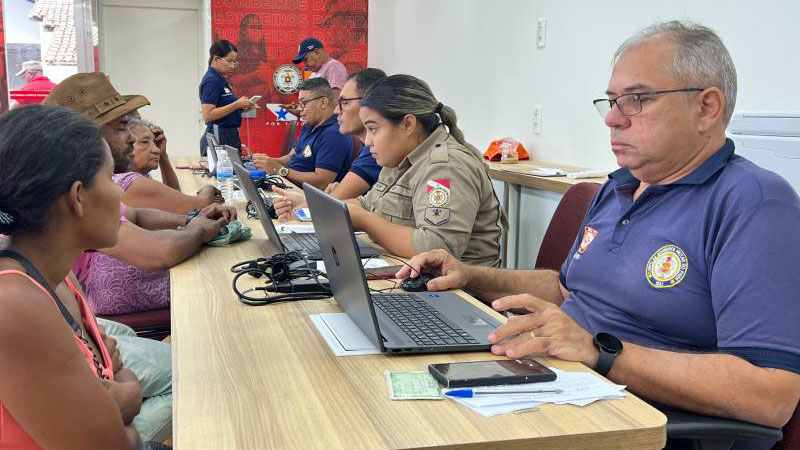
490, 373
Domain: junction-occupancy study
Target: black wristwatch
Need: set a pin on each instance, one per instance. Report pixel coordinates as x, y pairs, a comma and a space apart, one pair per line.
609, 347
191, 215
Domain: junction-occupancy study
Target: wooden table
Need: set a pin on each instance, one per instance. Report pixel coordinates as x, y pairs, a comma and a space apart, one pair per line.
263, 378
517, 176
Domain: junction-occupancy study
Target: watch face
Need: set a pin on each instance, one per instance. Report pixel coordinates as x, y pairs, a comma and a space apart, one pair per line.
608, 343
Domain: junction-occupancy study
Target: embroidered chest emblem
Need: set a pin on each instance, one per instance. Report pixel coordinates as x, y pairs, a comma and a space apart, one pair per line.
667, 267
589, 234
307, 152
438, 192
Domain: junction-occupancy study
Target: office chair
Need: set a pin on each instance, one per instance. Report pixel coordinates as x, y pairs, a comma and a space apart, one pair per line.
564, 226
356, 149
715, 433
289, 138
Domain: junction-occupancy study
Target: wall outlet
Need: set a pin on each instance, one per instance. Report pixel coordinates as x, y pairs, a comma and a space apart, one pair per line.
541, 32
537, 119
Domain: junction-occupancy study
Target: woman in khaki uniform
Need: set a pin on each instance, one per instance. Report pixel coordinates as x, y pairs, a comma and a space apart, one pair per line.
437, 193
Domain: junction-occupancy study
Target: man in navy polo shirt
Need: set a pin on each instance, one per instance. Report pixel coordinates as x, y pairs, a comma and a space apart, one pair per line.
321, 155
365, 170
682, 282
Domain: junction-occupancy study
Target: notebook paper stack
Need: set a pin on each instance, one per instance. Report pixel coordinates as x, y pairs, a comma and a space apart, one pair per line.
576, 388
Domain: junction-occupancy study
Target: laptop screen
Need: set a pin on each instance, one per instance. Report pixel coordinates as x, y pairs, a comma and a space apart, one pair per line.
233, 154
339, 250
251, 193
211, 151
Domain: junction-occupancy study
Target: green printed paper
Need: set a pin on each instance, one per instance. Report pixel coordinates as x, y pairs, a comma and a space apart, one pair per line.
419, 385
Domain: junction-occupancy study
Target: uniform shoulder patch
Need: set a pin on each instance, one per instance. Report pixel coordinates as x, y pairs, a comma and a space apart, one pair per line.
438, 192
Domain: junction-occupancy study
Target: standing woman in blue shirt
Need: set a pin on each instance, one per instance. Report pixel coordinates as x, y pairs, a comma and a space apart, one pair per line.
220, 105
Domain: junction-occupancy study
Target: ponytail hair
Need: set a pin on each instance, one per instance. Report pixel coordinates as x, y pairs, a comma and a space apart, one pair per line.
43, 150
397, 95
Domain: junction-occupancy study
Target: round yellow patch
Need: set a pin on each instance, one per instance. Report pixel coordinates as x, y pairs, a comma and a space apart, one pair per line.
438, 197
667, 267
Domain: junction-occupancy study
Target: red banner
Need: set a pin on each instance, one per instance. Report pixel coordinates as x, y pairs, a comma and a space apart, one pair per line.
268, 34
3, 78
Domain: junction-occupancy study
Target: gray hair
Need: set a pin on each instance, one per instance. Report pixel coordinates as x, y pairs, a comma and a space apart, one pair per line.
318, 86
133, 121
701, 59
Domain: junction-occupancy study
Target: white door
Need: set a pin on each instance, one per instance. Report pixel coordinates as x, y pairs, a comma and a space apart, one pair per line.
152, 48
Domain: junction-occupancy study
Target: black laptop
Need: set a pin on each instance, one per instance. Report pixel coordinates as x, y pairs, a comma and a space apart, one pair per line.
286, 242
419, 322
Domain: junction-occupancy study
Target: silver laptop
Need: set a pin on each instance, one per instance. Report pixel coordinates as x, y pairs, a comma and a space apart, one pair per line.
413, 322
233, 154
211, 152
286, 242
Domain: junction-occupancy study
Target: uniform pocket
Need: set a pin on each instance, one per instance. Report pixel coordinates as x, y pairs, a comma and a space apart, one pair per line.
398, 206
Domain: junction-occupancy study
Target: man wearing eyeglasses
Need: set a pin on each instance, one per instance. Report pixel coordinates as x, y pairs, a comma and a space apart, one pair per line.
321, 155
365, 170
682, 281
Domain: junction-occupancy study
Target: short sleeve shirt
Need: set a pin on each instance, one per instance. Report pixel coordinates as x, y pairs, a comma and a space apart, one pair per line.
40, 84
365, 166
215, 90
334, 72
323, 147
442, 189
705, 264
114, 286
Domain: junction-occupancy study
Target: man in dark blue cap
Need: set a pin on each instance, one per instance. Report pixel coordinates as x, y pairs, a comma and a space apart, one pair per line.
316, 59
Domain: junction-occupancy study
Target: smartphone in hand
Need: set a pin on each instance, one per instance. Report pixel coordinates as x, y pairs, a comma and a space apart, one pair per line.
255, 98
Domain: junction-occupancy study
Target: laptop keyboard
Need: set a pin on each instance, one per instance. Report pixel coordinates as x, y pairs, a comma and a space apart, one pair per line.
305, 241
420, 321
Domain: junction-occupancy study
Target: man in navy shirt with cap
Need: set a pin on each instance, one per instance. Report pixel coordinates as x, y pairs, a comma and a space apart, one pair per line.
682, 282
321, 155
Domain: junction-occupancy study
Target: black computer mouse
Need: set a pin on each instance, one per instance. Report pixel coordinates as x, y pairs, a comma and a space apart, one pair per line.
419, 284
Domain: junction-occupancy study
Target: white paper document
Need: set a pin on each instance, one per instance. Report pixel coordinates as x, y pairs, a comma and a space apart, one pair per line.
367, 263
577, 388
547, 172
343, 335
287, 228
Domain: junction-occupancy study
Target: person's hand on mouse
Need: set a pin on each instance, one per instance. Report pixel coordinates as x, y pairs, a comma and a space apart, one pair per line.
417, 284
446, 271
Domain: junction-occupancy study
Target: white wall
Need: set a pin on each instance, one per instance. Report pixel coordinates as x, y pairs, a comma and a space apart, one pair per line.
166, 63
480, 57
19, 29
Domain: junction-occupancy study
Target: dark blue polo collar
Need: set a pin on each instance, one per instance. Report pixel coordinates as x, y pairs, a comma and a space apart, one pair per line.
714, 164
328, 122
216, 74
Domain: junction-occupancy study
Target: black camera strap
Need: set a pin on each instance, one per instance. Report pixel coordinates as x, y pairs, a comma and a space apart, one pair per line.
36, 275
